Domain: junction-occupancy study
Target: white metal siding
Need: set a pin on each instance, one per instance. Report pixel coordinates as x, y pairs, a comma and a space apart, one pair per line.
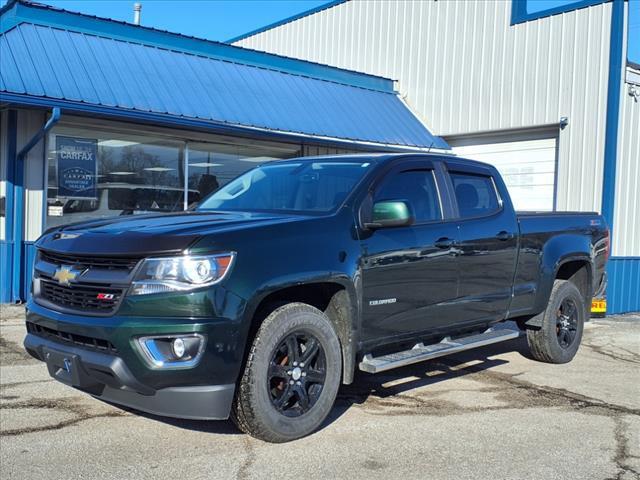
626, 220
526, 161
29, 122
465, 69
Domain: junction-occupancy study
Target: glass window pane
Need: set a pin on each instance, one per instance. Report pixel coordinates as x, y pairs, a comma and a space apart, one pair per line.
475, 194
418, 188
94, 174
309, 187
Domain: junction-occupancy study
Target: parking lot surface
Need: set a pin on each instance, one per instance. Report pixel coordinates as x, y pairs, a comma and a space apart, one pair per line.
487, 413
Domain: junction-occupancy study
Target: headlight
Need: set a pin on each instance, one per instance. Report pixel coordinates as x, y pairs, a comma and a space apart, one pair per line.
170, 274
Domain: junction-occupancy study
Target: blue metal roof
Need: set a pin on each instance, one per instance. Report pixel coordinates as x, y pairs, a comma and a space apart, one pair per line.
73, 61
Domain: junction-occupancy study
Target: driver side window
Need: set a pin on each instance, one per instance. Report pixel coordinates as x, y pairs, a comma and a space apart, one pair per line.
416, 187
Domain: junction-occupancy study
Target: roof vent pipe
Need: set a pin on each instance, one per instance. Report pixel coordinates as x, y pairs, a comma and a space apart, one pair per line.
137, 7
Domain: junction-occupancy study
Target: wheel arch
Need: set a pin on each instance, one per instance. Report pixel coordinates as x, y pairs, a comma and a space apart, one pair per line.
575, 268
579, 271
334, 296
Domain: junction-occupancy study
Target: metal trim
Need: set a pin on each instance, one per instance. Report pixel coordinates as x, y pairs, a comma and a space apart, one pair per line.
613, 113
208, 125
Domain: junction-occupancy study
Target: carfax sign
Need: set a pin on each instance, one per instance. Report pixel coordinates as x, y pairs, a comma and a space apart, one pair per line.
77, 167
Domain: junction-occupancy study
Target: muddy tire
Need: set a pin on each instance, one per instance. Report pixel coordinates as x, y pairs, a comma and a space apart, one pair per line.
291, 377
558, 340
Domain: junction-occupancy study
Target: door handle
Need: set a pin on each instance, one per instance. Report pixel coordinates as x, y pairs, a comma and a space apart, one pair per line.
445, 243
504, 236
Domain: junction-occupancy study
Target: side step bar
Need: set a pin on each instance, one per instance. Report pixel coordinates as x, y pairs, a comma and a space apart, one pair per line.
421, 352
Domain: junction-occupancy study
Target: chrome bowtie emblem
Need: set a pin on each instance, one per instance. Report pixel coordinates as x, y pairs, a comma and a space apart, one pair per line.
65, 274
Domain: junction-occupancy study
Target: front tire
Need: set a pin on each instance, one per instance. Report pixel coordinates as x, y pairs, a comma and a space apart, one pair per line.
291, 377
558, 340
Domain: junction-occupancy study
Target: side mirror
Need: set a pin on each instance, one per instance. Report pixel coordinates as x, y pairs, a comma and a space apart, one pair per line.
390, 213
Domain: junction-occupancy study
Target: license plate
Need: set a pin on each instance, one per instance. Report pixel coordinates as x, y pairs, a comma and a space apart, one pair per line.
63, 366
599, 306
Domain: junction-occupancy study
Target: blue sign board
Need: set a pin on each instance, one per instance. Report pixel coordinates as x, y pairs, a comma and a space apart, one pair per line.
77, 167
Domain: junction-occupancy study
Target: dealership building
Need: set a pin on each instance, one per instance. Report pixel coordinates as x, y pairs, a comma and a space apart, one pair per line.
548, 94
100, 117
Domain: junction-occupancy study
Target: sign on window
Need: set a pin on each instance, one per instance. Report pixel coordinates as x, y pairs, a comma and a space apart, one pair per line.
77, 167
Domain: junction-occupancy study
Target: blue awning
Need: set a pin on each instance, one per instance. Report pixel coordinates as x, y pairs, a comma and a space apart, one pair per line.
49, 54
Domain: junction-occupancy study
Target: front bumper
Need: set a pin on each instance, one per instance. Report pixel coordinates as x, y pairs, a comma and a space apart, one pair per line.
107, 377
113, 369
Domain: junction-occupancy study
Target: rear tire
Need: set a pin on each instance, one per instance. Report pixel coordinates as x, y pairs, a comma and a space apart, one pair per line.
292, 375
558, 340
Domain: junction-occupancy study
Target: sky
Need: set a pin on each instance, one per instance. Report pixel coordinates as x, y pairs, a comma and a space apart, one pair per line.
211, 19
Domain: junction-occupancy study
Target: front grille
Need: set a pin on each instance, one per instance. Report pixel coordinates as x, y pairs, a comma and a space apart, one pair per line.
71, 338
109, 263
83, 298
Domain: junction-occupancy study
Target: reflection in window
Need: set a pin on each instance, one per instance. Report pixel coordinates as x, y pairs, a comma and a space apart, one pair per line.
310, 187
418, 188
96, 174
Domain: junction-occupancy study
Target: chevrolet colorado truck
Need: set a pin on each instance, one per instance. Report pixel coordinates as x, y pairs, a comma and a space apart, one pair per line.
258, 303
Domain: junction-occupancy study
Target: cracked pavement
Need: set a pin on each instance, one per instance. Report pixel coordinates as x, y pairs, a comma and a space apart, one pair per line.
487, 413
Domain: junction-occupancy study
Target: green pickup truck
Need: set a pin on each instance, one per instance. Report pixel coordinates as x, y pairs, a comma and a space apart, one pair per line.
275, 289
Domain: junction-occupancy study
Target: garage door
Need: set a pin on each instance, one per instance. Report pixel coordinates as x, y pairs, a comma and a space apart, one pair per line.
526, 161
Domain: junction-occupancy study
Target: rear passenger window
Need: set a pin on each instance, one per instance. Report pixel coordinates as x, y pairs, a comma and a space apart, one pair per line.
418, 188
476, 194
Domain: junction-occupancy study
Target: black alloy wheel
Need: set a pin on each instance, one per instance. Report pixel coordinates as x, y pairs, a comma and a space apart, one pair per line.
567, 323
297, 373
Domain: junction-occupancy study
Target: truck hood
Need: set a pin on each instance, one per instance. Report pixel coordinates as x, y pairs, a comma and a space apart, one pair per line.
136, 235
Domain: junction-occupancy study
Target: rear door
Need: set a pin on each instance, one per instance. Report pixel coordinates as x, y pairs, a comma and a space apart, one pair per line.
410, 274
487, 242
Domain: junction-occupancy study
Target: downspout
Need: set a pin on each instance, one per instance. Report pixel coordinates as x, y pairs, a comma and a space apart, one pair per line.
18, 210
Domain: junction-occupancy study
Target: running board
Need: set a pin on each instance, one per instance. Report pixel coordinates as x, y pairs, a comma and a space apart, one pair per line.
421, 352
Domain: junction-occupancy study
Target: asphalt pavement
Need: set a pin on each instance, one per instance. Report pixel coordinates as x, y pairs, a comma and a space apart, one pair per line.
490, 413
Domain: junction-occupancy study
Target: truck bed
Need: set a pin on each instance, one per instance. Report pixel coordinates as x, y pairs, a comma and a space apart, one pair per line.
552, 233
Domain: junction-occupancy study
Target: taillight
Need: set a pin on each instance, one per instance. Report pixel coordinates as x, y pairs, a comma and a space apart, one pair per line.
607, 245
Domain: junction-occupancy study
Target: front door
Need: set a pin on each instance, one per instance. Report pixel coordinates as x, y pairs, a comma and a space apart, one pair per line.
410, 273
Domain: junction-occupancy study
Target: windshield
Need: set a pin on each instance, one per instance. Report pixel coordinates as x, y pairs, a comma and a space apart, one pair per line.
300, 187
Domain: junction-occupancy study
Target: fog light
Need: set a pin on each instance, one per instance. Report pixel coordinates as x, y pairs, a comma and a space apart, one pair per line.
172, 351
178, 347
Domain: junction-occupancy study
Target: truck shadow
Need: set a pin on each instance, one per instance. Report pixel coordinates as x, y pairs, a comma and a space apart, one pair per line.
367, 387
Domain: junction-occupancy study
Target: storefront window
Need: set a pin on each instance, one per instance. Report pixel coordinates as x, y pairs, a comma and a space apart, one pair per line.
95, 174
